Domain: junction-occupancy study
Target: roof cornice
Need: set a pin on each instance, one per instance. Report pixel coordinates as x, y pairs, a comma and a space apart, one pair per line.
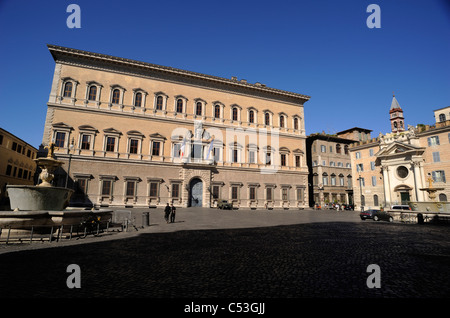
62, 54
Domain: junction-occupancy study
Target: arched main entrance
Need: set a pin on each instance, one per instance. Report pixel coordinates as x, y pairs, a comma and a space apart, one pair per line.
196, 192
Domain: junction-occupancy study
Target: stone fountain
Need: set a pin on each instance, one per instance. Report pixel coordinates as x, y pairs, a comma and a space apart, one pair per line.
43, 205
432, 205
42, 196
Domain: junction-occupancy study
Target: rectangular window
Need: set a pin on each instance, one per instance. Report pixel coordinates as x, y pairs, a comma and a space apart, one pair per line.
81, 186
269, 194
86, 142
323, 148
14, 146
283, 160
1, 139
358, 155
106, 187
60, 139
216, 154
19, 148
325, 180
154, 189
284, 194
134, 145
8, 170
372, 165
131, 186
341, 181
371, 152
251, 157
234, 193
215, 192
333, 180
156, 148
433, 141
374, 180
331, 149
175, 190
438, 176
110, 144
29, 153
436, 156
268, 158
299, 194
252, 193
235, 155
297, 161
359, 167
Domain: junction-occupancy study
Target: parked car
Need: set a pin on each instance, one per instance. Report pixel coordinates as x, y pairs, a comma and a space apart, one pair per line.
376, 215
401, 207
224, 204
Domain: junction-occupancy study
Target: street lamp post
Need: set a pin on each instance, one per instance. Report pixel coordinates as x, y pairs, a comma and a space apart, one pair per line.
71, 146
360, 192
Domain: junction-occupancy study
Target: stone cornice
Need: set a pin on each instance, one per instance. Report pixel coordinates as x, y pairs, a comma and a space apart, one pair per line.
69, 55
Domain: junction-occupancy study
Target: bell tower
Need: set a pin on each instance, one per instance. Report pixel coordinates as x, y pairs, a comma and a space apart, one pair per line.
396, 116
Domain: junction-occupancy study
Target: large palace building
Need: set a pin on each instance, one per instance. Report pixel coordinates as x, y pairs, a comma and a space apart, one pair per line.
138, 134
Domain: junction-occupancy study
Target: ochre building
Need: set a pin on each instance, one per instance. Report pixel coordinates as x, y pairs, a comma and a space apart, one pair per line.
138, 134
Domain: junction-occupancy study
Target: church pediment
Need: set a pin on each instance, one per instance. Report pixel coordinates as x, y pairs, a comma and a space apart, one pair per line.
399, 148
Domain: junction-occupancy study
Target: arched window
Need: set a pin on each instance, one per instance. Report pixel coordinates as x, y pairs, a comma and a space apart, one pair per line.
338, 148
442, 197
159, 103
179, 105
441, 117
138, 100
267, 119
198, 109
92, 93
375, 200
115, 96
68, 89
251, 116
346, 149
281, 121
217, 111
296, 123
235, 113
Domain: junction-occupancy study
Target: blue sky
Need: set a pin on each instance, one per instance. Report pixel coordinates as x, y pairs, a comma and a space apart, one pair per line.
321, 48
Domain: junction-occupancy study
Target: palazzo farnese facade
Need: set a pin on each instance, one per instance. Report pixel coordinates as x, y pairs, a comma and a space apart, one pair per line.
138, 134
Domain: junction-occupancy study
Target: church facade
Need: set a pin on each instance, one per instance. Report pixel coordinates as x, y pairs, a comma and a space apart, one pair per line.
139, 134
393, 168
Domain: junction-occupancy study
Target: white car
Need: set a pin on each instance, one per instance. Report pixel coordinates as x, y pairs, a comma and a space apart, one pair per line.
401, 207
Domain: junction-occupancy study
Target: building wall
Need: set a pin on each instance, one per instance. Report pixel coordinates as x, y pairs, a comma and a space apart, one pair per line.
369, 189
437, 158
16, 163
330, 170
232, 174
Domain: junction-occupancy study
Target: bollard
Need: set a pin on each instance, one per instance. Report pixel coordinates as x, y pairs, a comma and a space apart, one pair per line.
420, 218
145, 219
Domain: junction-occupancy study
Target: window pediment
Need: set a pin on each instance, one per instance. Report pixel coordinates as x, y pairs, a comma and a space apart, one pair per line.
112, 131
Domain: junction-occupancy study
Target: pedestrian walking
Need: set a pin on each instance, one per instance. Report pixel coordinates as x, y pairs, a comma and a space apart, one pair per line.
167, 212
172, 213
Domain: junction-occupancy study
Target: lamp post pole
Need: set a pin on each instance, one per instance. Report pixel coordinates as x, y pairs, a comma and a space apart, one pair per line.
71, 146
360, 193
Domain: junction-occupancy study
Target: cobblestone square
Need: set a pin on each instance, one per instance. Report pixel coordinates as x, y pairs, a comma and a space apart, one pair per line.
266, 254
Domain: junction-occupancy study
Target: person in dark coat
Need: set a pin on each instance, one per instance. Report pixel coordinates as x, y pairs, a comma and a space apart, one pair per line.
167, 212
172, 213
